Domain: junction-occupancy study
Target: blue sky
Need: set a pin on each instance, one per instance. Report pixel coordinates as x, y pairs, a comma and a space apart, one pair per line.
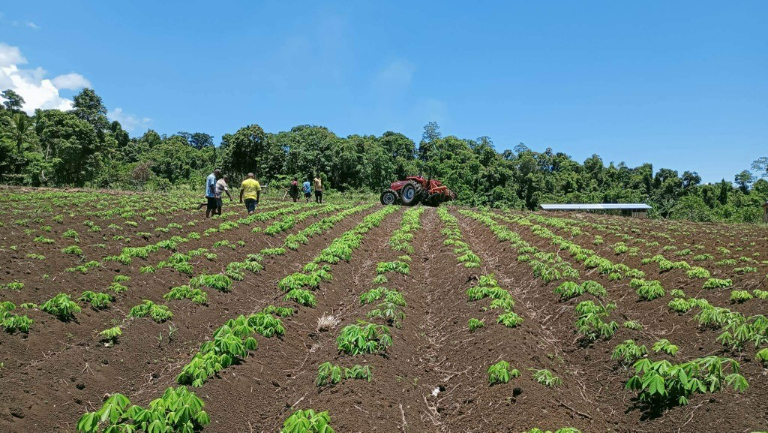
679, 84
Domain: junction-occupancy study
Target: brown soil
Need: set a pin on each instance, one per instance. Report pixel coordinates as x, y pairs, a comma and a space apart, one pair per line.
433, 378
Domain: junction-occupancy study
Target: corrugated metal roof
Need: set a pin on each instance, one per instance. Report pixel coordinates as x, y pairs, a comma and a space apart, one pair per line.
596, 206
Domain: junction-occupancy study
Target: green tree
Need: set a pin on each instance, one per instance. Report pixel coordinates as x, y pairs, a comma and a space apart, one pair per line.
13, 101
244, 151
744, 180
87, 106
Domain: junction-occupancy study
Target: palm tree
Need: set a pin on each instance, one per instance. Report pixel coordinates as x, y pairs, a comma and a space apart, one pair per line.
20, 125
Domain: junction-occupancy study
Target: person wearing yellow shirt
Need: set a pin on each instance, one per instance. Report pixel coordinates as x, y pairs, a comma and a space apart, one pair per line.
250, 190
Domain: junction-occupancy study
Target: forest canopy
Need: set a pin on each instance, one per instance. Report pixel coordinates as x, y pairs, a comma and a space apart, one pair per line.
82, 148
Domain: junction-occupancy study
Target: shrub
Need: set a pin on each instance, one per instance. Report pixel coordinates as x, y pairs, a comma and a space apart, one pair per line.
501, 373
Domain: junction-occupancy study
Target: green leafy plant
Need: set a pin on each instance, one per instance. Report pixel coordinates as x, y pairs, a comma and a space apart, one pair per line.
158, 313
665, 346
546, 378
363, 337
328, 374
501, 373
662, 383
13, 285
650, 290
390, 312
359, 372
61, 306
111, 334
628, 352
739, 296
591, 322
308, 421
98, 301
762, 356
178, 410
475, 324
302, 297
73, 249
633, 324
185, 292
716, 283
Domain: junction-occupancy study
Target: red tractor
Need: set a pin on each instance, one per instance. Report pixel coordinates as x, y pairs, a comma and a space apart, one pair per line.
415, 189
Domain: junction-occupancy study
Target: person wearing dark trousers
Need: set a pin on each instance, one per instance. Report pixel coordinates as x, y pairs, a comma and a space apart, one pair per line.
318, 184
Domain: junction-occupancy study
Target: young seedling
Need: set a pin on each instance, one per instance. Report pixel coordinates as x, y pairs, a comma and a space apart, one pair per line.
501, 373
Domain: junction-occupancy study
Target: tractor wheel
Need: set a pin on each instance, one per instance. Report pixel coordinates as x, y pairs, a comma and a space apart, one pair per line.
388, 197
410, 194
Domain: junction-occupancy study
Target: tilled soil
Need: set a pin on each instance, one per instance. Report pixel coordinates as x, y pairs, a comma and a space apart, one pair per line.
434, 376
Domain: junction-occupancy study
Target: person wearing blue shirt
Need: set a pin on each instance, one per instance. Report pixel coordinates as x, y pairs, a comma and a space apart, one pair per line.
210, 192
307, 188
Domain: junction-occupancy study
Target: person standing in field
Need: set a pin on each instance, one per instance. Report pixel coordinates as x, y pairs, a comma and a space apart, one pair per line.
250, 190
221, 188
318, 189
210, 193
293, 190
307, 188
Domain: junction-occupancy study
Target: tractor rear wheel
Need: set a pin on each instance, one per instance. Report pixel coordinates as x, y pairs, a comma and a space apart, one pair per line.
410, 194
388, 197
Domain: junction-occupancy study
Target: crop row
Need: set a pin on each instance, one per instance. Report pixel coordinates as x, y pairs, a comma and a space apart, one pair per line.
659, 379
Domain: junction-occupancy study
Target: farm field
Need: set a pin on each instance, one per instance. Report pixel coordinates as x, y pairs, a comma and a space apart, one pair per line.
377, 319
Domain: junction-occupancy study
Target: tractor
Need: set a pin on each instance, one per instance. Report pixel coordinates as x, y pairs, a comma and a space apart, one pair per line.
416, 189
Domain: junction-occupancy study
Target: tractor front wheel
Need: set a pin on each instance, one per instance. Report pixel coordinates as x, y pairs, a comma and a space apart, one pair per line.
410, 194
388, 197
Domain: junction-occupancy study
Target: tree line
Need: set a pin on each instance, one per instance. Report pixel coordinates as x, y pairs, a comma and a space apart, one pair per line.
82, 148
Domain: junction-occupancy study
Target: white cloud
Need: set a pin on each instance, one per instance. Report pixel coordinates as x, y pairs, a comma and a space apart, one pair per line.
31, 25
10, 56
31, 84
129, 122
71, 81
